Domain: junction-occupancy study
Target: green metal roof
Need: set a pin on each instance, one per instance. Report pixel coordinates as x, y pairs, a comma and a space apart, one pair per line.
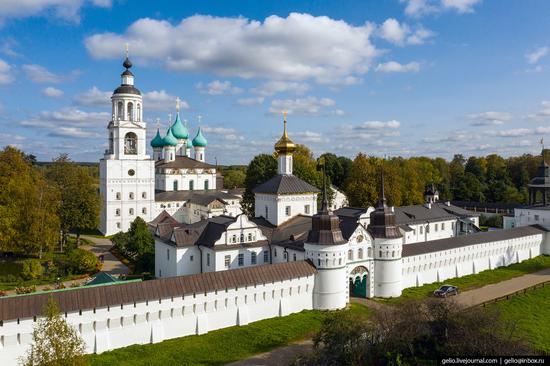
169, 139
199, 140
178, 129
157, 141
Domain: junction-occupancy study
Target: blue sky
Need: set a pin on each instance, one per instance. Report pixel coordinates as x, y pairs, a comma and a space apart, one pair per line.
384, 77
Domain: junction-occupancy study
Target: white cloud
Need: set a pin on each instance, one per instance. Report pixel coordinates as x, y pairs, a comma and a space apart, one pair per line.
305, 106
394, 32
393, 66
94, 97
65, 9
514, 132
69, 122
490, 118
6, 73
250, 101
308, 137
543, 113
52, 92
378, 125
218, 87
534, 56
39, 74
273, 87
420, 36
298, 47
161, 100
461, 6
417, 8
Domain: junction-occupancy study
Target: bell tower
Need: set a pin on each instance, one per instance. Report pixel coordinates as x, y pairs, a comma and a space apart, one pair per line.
127, 173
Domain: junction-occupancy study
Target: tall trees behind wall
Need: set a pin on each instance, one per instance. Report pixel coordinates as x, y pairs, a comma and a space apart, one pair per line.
37, 203
490, 178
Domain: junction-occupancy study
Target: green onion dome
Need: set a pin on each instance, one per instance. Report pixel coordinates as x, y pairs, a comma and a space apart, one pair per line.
169, 139
157, 141
179, 130
199, 140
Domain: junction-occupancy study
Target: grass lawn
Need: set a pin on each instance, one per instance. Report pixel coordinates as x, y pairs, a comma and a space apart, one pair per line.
532, 313
475, 280
222, 346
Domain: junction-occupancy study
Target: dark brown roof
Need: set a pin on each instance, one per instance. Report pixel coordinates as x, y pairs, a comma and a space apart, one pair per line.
471, 239
285, 184
163, 217
183, 162
87, 298
198, 196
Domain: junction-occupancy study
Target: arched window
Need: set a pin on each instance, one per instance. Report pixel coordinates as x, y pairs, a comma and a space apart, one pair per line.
206, 184
360, 254
242, 238
175, 185
191, 184
131, 211
266, 211
249, 236
117, 212
294, 257
350, 255
234, 239
138, 117
130, 110
120, 111
369, 252
130, 144
111, 143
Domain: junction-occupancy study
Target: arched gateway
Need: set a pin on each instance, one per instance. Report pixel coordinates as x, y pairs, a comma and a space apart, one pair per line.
358, 281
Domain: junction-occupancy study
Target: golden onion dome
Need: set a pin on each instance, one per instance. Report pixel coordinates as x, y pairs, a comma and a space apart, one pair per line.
285, 144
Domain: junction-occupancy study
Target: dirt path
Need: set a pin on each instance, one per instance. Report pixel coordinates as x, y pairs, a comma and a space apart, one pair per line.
111, 264
277, 357
496, 290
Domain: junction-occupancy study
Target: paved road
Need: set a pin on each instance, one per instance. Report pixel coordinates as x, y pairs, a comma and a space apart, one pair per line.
111, 264
490, 292
279, 356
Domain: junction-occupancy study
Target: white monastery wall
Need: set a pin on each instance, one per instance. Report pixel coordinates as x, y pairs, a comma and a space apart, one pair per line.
153, 321
442, 265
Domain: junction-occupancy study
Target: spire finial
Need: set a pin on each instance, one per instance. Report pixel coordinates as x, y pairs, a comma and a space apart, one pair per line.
126, 48
199, 117
177, 104
158, 122
382, 200
284, 123
169, 119
324, 205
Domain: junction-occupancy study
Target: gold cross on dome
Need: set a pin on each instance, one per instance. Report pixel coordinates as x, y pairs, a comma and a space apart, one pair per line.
284, 115
200, 118
126, 46
177, 104
158, 122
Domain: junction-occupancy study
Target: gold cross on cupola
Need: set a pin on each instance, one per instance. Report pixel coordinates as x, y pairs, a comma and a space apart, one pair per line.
177, 104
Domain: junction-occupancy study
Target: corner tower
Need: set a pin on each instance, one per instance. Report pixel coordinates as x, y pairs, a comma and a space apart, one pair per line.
388, 245
326, 248
127, 173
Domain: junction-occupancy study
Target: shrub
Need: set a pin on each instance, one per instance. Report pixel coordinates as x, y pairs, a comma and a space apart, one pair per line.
83, 261
25, 290
12, 278
75, 284
31, 269
3, 293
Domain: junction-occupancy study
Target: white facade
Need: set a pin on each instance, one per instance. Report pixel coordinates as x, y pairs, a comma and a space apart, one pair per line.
278, 209
530, 215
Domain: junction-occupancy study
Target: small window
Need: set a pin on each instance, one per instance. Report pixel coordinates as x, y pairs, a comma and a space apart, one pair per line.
131, 211
266, 256
294, 257
118, 225
242, 238
436, 227
350, 255
249, 236
175, 185
131, 195
227, 260
117, 212
206, 184
360, 253
287, 210
144, 195
118, 195
144, 210
307, 209
442, 226
421, 230
241, 260
536, 217
234, 239
208, 259
266, 211
191, 185
253, 258
275, 252
191, 258
167, 254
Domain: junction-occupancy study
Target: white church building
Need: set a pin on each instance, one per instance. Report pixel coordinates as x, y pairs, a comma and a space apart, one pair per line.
134, 184
228, 270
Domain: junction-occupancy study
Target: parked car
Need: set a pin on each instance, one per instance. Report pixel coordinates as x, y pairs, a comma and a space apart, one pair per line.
446, 290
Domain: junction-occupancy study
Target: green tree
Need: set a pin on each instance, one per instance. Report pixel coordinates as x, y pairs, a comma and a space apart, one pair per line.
234, 178
337, 168
54, 342
80, 203
28, 206
262, 168
361, 186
